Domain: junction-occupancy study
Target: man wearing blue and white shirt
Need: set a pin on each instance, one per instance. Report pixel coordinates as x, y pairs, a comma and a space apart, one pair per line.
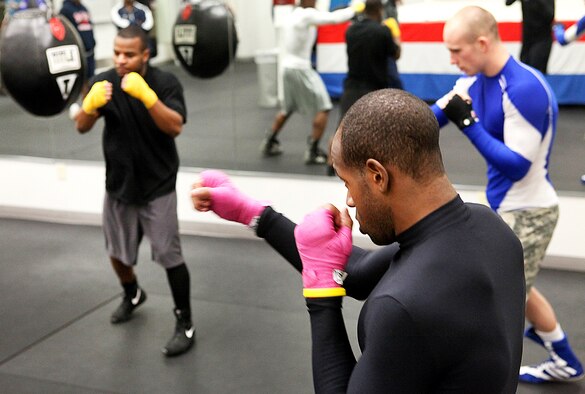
509, 113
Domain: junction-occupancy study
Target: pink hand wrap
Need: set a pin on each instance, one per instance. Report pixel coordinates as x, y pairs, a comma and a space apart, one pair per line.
227, 201
324, 252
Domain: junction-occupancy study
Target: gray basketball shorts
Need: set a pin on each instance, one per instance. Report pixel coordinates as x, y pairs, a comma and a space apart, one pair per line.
304, 92
124, 226
534, 228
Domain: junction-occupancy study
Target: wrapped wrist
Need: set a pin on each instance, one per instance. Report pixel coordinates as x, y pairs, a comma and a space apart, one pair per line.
471, 130
460, 112
88, 108
324, 292
149, 98
95, 99
319, 286
254, 222
135, 85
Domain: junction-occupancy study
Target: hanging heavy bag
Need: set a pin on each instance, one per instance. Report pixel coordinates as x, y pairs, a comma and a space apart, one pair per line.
42, 62
205, 38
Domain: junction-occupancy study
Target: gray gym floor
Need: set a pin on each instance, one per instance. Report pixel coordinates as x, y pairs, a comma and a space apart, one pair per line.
57, 289
57, 292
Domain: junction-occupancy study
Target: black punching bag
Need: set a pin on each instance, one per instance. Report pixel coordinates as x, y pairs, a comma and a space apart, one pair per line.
42, 62
205, 38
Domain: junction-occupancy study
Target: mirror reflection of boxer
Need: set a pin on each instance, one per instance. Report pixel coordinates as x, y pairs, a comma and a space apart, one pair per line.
537, 21
79, 16
509, 113
304, 90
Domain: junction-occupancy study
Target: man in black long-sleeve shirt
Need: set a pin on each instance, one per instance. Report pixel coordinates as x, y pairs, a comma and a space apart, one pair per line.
537, 39
445, 297
370, 47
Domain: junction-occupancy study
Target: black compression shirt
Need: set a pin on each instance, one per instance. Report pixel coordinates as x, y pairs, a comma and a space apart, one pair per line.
444, 310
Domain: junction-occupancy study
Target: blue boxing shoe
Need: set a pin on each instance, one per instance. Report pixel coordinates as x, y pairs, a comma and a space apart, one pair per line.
562, 366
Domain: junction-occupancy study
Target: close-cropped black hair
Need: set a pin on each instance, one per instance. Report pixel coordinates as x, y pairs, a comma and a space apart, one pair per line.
134, 31
395, 128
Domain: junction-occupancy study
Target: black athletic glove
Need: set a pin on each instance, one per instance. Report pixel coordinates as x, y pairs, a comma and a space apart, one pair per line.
459, 112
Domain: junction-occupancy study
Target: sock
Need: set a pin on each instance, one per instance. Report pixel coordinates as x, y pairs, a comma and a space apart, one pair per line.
130, 289
313, 143
560, 346
179, 282
553, 336
272, 135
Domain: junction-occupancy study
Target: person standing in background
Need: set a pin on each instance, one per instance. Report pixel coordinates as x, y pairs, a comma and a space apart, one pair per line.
370, 47
130, 12
394, 80
537, 21
390, 9
151, 4
80, 18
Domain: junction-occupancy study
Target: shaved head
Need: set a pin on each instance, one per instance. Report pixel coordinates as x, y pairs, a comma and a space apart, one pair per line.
474, 22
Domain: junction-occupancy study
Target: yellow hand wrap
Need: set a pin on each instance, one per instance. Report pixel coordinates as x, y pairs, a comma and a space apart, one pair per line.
96, 98
392, 24
358, 6
137, 87
325, 292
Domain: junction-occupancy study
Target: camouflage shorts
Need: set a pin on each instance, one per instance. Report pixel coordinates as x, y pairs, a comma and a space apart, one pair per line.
534, 228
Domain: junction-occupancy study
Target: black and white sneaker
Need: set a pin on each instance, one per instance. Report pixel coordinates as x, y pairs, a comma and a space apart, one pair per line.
124, 311
184, 336
270, 146
315, 156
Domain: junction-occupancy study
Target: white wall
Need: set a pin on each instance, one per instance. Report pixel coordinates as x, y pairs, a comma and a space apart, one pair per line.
72, 192
254, 26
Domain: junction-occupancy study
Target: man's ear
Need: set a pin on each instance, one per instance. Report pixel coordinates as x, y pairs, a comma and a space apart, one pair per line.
484, 43
146, 55
379, 177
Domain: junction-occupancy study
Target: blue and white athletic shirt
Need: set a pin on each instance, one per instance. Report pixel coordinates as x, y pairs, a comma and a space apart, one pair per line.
517, 114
